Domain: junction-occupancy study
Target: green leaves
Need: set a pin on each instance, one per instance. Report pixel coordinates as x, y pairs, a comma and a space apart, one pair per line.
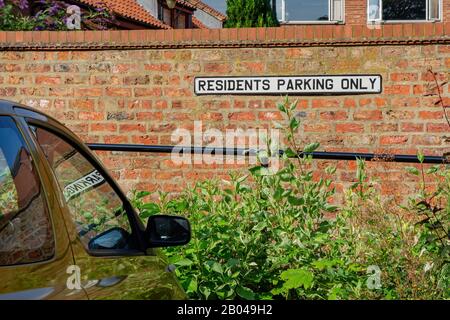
296, 201
148, 210
294, 124
294, 279
421, 157
311, 147
413, 170
259, 236
141, 194
433, 169
183, 262
245, 293
216, 267
250, 13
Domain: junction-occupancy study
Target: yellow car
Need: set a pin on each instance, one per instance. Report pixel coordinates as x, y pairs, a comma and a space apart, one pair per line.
67, 231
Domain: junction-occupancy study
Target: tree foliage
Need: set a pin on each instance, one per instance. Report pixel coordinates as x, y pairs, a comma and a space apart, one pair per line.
250, 13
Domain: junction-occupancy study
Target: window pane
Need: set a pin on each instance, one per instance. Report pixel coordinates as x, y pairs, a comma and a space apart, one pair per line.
181, 20
337, 10
94, 206
404, 9
374, 9
26, 233
167, 16
434, 9
279, 6
306, 10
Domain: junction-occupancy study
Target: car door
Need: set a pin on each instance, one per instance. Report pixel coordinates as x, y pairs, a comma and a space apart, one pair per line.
106, 236
35, 251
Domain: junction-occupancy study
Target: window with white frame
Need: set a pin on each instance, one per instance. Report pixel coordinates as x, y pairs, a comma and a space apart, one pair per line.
404, 10
304, 11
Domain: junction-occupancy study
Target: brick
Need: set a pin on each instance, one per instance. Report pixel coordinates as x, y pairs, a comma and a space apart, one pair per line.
145, 139
397, 89
47, 80
91, 115
221, 68
384, 127
393, 140
242, 116
118, 92
412, 127
103, 127
349, 127
82, 104
350, 103
147, 92
430, 115
317, 128
126, 128
334, 115
270, 115
116, 139
136, 80
368, 115
405, 102
211, 116
88, 92
438, 127
326, 103
149, 116
427, 140
401, 77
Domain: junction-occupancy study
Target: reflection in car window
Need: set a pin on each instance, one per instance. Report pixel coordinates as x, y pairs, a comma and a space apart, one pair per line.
93, 204
26, 233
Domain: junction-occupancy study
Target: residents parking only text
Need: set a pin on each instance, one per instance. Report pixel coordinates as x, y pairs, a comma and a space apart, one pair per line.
292, 85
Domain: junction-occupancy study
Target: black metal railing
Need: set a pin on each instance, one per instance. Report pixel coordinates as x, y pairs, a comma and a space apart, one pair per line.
347, 156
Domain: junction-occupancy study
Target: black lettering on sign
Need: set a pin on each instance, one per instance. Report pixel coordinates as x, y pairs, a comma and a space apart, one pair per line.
202, 84
329, 84
290, 85
307, 84
231, 85
372, 82
210, 85
219, 85
345, 84
83, 184
239, 86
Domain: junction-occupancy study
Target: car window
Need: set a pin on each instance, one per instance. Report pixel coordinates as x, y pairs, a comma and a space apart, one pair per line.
95, 208
26, 232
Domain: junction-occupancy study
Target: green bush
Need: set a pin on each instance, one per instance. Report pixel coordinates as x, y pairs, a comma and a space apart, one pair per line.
250, 13
262, 236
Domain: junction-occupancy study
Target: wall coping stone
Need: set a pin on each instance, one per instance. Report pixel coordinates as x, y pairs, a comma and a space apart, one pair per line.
285, 36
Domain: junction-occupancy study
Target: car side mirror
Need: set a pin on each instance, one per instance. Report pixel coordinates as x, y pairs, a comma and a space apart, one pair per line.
168, 231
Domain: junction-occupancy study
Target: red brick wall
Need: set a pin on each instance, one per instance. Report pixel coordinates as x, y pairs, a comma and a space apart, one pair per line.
446, 10
356, 12
137, 87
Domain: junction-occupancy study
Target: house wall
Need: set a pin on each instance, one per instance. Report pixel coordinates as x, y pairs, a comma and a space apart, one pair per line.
137, 87
355, 11
208, 20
